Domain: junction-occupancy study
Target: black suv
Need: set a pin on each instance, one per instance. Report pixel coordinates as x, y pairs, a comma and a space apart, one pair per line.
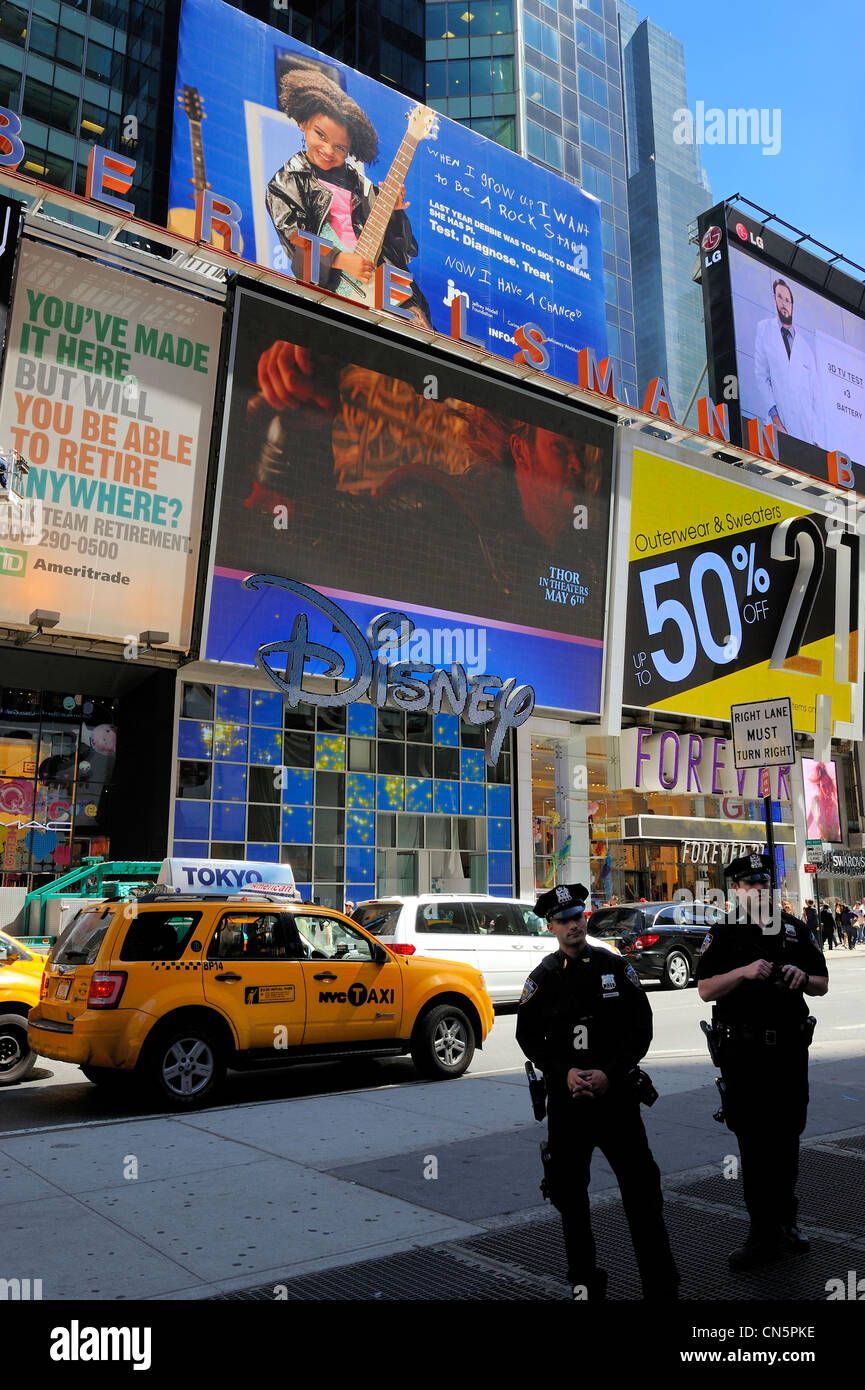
661, 940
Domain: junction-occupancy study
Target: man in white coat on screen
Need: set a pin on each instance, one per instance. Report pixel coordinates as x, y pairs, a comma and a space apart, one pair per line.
787, 372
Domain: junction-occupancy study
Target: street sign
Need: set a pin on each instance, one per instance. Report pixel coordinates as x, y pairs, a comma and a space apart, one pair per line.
810, 868
763, 734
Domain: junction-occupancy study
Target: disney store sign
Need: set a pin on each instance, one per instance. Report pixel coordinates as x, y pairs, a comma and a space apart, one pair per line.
410, 685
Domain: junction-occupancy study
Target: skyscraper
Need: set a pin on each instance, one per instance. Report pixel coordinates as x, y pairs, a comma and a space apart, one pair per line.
548, 83
667, 188
80, 75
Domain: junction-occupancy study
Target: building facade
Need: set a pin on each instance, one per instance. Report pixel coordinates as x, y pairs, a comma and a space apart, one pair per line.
667, 189
87, 74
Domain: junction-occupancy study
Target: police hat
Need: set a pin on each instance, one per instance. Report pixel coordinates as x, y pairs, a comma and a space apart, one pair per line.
568, 900
750, 868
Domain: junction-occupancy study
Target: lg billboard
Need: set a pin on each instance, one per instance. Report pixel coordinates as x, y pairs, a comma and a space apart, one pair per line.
785, 338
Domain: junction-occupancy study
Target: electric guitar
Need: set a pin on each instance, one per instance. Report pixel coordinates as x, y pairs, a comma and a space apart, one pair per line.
182, 220
422, 125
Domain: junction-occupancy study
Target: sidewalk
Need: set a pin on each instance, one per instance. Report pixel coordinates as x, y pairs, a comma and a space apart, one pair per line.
416, 1191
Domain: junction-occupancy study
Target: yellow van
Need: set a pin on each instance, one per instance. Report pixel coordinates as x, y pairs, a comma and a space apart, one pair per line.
175, 988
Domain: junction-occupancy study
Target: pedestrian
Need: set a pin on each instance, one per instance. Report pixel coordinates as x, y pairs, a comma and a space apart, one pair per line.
755, 969
812, 920
848, 926
827, 925
585, 1021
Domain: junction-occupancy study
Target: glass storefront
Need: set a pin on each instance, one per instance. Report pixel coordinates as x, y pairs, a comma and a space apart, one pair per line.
359, 801
588, 817
648, 844
57, 755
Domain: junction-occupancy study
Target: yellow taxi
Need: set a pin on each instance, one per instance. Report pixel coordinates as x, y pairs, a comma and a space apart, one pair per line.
176, 988
20, 981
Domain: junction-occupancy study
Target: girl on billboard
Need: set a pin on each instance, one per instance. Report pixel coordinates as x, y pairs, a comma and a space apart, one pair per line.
320, 191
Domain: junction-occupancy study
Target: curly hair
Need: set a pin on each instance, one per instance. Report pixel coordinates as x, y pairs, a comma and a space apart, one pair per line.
305, 93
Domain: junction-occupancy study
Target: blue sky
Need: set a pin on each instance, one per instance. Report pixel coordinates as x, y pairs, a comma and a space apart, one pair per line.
806, 60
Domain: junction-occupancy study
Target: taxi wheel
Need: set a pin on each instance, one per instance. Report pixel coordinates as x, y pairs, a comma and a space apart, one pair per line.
17, 1060
184, 1066
442, 1043
677, 971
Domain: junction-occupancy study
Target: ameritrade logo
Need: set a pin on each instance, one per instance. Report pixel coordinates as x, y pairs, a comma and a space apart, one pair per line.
13, 563
711, 239
77, 1343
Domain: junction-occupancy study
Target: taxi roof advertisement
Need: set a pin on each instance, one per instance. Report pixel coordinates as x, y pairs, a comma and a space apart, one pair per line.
108, 388
521, 244
387, 479
736, 591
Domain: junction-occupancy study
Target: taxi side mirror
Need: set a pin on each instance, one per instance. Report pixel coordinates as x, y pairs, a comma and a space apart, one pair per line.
379, 954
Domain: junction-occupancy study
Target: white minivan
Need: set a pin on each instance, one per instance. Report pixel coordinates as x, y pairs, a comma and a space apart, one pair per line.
501, 937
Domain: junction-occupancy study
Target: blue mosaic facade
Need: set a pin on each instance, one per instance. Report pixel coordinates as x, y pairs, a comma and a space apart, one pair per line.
353, 799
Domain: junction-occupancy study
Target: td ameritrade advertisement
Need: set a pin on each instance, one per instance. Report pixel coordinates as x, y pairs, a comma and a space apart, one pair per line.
737, 593
391, 480
304, 145
107, 391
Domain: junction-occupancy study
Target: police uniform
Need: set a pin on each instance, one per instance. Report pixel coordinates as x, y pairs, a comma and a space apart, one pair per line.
590, 1012
763, 1035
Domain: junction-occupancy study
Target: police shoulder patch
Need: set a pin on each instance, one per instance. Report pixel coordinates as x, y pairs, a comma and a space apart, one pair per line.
631, 974
707, 941
528, 990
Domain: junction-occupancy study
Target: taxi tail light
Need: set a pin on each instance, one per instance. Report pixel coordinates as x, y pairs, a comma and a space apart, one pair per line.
648, 939
403, 948
43, 987
106, 987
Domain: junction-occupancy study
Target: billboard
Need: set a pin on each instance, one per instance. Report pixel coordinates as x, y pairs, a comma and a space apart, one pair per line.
384, 477
305, 145
789, 329
108, 389
736, 591
822, 812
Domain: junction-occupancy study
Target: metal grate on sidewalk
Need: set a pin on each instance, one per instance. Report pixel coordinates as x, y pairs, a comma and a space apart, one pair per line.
706, 1220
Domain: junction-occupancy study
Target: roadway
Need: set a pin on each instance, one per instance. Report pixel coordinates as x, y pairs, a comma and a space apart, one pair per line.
57, 1094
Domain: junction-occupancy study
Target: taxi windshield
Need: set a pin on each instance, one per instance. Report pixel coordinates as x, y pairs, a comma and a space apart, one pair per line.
80, 943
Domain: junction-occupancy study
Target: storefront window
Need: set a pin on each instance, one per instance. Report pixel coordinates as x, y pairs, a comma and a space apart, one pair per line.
56, 769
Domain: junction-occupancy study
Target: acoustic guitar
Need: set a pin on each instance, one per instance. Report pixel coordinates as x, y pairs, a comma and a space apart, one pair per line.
182, 220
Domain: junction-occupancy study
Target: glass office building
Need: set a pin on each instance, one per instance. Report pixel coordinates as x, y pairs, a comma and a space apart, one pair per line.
667, 188
80, 75
546, 82
383, 40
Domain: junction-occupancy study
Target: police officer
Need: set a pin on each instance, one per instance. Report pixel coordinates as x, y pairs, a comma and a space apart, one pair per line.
585, 1022
755, 969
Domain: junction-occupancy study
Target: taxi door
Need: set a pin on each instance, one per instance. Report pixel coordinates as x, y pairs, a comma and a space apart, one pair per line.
254, 975
350, 997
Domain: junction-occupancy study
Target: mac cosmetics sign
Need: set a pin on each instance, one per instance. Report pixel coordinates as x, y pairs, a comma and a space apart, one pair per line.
410, 685
690, 765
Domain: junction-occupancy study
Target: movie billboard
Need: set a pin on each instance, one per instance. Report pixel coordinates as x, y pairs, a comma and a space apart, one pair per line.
822, 812
736, 591
305, 145
108, 389
386, 478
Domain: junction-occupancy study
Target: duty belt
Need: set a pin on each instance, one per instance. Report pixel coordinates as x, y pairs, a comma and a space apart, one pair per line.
767, 1037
